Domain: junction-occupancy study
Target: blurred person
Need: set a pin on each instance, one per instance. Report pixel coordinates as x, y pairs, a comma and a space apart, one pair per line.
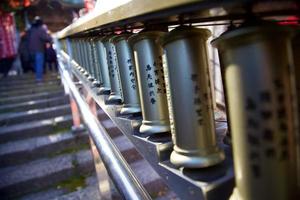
51, 59
24, 54
38, 38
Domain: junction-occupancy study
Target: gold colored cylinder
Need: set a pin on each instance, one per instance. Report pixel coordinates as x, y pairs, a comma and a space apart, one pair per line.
116, 90
195, 144
296, 57
127, 69
148, 54
256, 64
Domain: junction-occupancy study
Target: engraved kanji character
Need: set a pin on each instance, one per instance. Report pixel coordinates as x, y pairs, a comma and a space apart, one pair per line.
152, 100
250, 104
157, 81
197, 101
151, 93
149, 77
253, 140
255, 170
194, 77
150, 85
148, 68
265, 96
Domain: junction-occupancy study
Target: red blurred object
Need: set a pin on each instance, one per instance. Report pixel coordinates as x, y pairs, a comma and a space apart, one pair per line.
292, 20
89, 5
7, 35
26, 3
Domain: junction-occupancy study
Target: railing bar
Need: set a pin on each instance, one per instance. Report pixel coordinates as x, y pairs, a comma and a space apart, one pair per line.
118, 169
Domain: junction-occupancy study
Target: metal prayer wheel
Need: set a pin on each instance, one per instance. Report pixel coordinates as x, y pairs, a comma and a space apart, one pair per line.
102, 61
296, 54
89, 60
152, 89
257, 65
95, 64
195, 144
116, 91
131, 103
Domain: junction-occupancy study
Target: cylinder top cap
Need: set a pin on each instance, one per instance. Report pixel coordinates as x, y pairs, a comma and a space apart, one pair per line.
248, 33
145, 35
106, 38
117, 38
184, 31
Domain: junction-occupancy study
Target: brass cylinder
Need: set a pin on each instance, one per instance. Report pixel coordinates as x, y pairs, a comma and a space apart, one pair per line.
89, 58
102, 60
94, 64
116, 91
127, 69
148, 56
256, 64
195, 144
296, 57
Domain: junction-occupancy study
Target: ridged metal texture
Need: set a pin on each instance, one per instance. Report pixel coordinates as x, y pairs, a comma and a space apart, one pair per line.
127, 69
116, 91
257, 62
194, 137
148, 54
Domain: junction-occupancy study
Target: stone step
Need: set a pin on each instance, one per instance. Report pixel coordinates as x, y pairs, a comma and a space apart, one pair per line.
27, 76
29, 90
17, 152
18, 81
35, 128
35, 104
31, 85
89, 191
44, 173
7, 119
32, 97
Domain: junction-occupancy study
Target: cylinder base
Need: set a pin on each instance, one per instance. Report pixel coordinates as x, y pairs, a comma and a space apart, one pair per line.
96, 83
114, 99
127, 109
90, 78
196, 161
104, 91
150, 128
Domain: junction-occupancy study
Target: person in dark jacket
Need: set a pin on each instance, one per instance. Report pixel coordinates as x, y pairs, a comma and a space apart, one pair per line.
51, 59
24, 53
38, 37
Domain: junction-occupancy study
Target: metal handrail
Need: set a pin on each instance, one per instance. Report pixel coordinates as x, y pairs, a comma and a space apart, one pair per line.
120, 172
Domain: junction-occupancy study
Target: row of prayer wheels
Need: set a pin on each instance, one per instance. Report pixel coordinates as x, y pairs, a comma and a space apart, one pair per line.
166, 77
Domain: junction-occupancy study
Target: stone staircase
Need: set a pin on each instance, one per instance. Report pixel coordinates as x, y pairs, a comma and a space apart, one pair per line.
40, 158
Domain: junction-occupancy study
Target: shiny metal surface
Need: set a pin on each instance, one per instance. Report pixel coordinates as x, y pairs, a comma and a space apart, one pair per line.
123, 177
127, 69
148, 56
296, 57
114, 76
214, 183
194, 137
103, 66
95, 64
257, 63
129, 11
